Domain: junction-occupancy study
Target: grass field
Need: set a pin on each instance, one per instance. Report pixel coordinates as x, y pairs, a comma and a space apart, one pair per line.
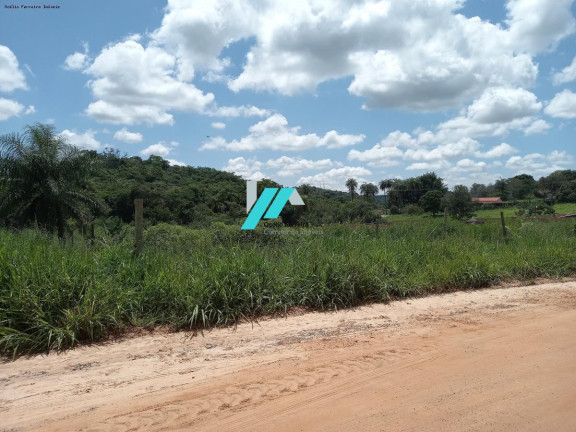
53, 296
509, 211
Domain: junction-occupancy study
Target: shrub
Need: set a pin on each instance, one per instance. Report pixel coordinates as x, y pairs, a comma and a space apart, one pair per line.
413, 209
527, 209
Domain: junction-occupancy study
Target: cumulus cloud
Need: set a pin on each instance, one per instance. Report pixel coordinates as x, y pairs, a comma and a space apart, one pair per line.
174, 162
135, 84
503, 105
566, 75
496, 112
499, 151
128, 114
10, 108
540, 164
159, 149
128, 137
535, 25
410, 54
563, 105
460, 148
470, 166
236, 111
86, 140
78, 60
428, 166
11, 76
218, 125
274, 134
336, 177
288, 166
248, 169
380, 155
537, 127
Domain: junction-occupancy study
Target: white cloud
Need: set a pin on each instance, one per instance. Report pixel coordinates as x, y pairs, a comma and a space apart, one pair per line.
218, 125
128, 114
77, 61
288, 166
10, 108
503, 105
378, 156
128, 137
248, 169
428, 166
540, 164
336, 177
237, 111
174, 162
499, 151
494, 113
11, 77
536, 25
538, 127
563, 105
469, 166
135, 84
274, 134
566, 75
410, 54
84, 140
159, 149
463, 147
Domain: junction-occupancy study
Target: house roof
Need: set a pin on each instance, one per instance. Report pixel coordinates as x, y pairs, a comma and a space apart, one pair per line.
489, 200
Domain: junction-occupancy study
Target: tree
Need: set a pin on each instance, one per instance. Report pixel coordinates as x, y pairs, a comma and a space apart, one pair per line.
43, 179
385, 184
459, 203
368, 190
521, 186
501, 188
410, 190
431, 201
351, 184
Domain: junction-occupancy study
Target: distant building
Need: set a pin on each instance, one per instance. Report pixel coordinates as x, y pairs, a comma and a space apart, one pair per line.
496, 201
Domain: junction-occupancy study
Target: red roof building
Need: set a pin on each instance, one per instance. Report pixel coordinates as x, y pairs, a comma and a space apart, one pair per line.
489, 200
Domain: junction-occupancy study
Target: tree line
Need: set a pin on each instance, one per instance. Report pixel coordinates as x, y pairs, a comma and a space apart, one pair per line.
48, 183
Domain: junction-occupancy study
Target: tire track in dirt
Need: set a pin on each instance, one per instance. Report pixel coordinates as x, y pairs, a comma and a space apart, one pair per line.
350, 370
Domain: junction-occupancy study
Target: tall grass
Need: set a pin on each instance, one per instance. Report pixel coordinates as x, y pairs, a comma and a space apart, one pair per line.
53, 296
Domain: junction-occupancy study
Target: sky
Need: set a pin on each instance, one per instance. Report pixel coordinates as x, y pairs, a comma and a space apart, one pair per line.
302, 91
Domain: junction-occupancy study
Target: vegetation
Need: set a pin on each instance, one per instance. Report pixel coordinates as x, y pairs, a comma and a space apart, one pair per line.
431, 201
459, 203
43, 180
198, 269
187, 278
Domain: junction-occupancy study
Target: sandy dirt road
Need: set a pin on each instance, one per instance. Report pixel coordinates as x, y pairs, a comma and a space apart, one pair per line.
501, 359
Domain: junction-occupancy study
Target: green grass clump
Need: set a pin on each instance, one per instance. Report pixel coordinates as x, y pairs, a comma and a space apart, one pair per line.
53, 296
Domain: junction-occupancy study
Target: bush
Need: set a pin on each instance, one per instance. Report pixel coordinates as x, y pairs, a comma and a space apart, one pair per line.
527, 209
413, 210
166, 237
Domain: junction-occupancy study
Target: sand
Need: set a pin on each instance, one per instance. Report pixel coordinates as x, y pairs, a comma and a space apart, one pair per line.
499, 359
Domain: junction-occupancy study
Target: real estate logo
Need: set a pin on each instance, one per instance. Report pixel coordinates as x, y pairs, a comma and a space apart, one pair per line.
269, 205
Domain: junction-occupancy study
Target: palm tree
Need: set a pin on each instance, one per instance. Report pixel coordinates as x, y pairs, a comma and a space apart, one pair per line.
351, 184
43, 180
368, 190
386, 184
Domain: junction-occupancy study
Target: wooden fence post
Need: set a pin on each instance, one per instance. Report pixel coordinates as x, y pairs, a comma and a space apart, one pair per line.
503, 223
139, 223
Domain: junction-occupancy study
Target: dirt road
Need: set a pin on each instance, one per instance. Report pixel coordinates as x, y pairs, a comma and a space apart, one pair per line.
500, 359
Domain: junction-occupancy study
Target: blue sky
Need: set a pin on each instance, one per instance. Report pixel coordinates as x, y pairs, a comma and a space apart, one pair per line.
303, 91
